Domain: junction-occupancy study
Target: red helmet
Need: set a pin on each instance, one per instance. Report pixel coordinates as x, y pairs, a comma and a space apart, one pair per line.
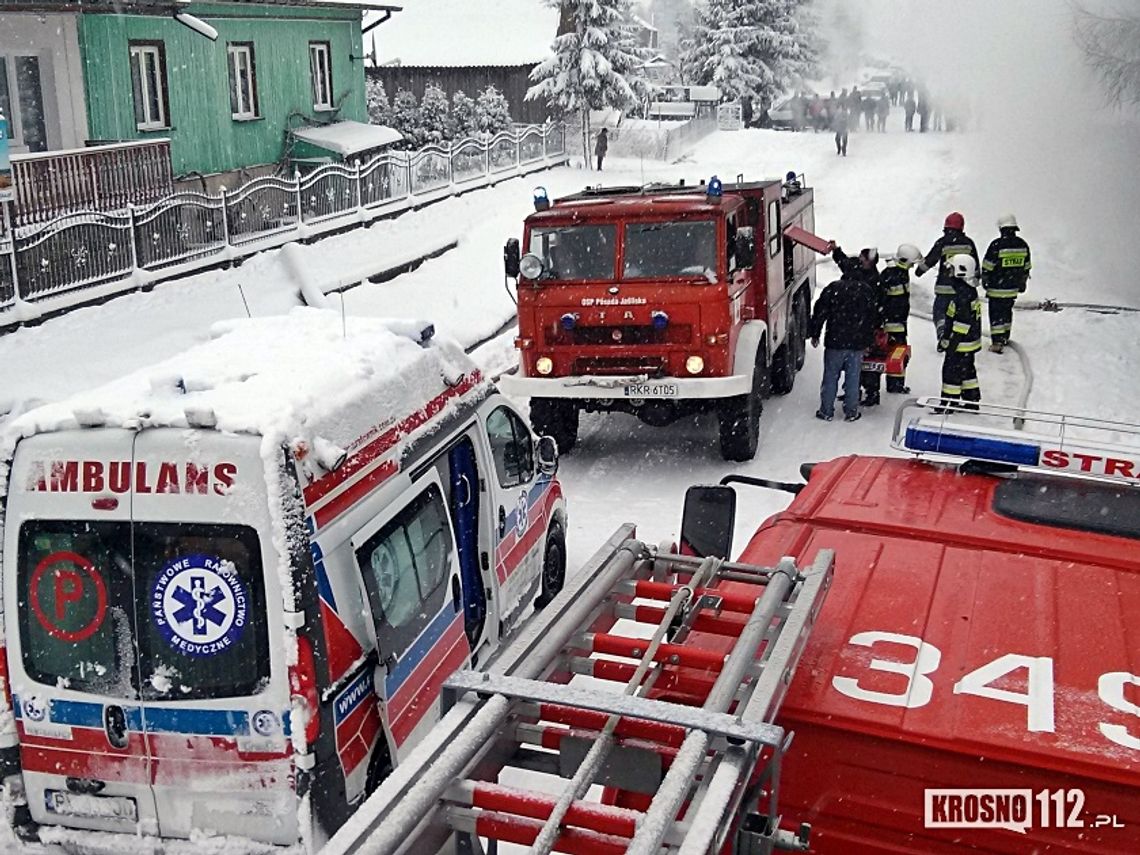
955, 221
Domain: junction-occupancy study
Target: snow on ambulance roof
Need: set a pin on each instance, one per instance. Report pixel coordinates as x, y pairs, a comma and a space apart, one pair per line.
466, 33
281, 377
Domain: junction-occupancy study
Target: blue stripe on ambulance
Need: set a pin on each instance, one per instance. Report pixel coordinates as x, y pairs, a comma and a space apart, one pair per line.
420, 648
193, 722
533, 505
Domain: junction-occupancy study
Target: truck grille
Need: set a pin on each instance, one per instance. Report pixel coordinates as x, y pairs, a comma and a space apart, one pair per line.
603, 336
613, 365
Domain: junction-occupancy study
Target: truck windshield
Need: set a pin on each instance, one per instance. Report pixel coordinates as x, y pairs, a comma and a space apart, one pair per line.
575, 252
655, 250
176, 614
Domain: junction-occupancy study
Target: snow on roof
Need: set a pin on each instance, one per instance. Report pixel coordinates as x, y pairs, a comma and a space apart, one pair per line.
348, 137
465, 33
281, 377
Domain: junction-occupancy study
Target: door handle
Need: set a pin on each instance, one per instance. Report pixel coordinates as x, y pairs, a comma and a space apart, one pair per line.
456, 594
115, 724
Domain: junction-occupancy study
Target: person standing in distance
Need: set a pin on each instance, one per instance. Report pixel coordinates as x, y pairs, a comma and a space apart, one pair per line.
953, 242
600, 147
847, 308
839, 125
1005, 274
963, 336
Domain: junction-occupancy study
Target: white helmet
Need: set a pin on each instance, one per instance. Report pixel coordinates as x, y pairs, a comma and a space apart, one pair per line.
908, 253
963, 266
1007, 221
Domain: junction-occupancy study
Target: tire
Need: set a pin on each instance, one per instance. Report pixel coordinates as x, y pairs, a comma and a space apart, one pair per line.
784, 366
803, 321
555, 418
739, 417
379, 768
553, 566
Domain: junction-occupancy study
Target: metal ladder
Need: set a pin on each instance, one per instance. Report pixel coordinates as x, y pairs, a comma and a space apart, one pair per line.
676, 720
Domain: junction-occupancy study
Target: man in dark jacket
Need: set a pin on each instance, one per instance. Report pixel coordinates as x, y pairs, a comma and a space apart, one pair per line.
839, 125
866, 269
910, 105
847, 307
953, 242
600, 147
963, 336
1005, 273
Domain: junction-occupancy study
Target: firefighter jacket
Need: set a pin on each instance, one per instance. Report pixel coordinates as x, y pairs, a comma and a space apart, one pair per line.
848, 307
963, 332
1005, 269
952, 242
854, 268
894, 297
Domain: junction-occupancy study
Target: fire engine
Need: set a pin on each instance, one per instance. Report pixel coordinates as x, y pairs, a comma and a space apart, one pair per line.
664, 300
922, 653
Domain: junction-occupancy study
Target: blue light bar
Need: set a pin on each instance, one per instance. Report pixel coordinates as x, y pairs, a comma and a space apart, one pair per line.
660, 320
974, 447
568, 321
715, 188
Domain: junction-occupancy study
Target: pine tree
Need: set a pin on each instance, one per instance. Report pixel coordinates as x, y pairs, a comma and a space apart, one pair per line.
463, 115
435, 118
492, 112
593, 65
406, 118
751, 47
379, 109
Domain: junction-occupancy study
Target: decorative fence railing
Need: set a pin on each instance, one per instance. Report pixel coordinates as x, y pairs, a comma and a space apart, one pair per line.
187, 231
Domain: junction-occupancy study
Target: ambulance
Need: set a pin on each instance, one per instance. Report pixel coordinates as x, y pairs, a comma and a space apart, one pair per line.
233, 583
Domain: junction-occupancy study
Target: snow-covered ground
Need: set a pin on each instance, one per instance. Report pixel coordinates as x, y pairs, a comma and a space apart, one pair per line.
892, 188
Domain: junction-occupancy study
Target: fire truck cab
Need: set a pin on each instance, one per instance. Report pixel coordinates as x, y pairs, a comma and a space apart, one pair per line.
664, 300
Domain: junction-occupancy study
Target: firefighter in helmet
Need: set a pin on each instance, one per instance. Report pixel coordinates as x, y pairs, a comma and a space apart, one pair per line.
894, 290
963, 335
1005, 273
952, 243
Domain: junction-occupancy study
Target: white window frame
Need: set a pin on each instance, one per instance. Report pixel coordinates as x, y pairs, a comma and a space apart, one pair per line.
320, 72
155, 67
240, 57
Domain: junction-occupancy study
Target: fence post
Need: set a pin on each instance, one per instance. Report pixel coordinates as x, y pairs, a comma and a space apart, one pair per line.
408, 173
134, 245
356, 178
225, 218
11, 232
297, 194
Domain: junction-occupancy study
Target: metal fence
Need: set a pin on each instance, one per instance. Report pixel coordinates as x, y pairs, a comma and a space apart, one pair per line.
192, 230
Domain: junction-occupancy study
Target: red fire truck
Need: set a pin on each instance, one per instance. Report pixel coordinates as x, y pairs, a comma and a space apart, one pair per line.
950, 639
664, 300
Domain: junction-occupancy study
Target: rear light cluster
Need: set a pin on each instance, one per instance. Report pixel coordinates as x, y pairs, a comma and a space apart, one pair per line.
303, 688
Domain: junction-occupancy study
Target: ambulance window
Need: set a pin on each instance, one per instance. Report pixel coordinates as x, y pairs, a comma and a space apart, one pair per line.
1099, 508
405, 565
773, 228
511, 447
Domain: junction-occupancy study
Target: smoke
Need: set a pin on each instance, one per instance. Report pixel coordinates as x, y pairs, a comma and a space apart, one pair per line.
1042, 140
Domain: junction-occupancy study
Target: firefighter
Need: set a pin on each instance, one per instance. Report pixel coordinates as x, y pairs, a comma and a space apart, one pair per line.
894, 284
963, 336
953, 242
1005, 273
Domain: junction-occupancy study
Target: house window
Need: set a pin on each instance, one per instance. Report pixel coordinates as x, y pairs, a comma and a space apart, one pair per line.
320, 67
243, 81
148, 83
23, 107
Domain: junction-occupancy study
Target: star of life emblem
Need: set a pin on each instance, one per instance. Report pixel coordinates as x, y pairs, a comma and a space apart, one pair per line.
199, 605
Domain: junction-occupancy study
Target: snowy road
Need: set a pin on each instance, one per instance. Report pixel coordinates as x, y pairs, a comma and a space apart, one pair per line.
892, 188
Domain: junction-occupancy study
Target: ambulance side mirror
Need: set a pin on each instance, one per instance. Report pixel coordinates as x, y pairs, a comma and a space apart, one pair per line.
511, 258
546, 449
708, 521
745, 246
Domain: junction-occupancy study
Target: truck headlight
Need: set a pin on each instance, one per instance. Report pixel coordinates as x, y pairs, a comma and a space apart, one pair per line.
694, 365
530, 266
544, 365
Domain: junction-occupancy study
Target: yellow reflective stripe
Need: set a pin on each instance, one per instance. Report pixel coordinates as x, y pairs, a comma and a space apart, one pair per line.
987, 265
943, 289
961, 328
951, 310
895, 327
1002, 293
1013, 257
896, 292
948, 390
954, 249
970, 346
971, 384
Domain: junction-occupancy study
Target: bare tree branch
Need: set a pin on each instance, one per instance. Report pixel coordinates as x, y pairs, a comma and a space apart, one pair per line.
1111, 44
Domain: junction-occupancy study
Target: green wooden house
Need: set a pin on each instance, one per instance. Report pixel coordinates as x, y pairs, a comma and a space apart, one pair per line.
224, 82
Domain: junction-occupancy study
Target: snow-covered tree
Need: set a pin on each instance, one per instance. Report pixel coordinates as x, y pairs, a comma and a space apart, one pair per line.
492, 112
1111, 42
435, 118
751, 47
463, 115
593, 65
406, 118
379, 109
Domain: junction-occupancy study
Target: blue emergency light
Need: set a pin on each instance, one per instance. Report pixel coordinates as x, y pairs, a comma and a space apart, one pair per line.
996, 450
660, 320
568, 321
541, 199
715, 188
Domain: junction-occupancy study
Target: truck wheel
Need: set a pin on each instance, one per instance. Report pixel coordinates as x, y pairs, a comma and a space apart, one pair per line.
784, 365
555, 418
553, 566
740, 416
803, 321
379, 768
